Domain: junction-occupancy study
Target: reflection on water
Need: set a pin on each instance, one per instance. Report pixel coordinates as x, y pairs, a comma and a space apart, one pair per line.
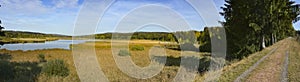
61, 44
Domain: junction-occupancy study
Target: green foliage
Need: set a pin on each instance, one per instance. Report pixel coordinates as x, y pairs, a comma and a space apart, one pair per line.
160, 36
17, 71
21, 34
6, 70
205, 48
206, 42
1, 28
251, 23
137, 48
41, 58
56, 67
124, 53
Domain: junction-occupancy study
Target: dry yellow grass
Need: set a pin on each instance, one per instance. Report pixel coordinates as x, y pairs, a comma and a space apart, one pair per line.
270, 69
231, 72
106, 61
140, 58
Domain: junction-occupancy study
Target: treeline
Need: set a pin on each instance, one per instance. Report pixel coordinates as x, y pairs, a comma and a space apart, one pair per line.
202, 38
160, 36
21, 34
251, 25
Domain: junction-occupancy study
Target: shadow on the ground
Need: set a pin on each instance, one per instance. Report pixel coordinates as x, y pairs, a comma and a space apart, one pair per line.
183, 47
176, 61
17, 71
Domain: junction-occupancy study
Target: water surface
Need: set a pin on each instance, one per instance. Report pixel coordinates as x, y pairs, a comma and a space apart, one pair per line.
60, 44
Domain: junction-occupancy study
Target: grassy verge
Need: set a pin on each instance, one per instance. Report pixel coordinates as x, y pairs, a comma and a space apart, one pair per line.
294, 63
231, 72
271, 68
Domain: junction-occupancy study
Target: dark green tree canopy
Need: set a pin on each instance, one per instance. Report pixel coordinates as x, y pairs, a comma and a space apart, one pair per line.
1, 28
253, 24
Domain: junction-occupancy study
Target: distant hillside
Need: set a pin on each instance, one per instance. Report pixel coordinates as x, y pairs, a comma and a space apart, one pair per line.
24, 34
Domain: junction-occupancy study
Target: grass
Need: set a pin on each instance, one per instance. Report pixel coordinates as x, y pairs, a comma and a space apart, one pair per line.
124, 53
104, 55
140, 58
271, 68
26, 40
232, 71
294, 62
24, 59
17, 71
137, 48
55, 67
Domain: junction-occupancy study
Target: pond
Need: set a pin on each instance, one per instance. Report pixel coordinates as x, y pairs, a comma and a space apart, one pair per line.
60, 44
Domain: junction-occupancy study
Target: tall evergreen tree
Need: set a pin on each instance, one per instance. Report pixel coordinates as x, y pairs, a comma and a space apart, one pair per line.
1, 32
251, 23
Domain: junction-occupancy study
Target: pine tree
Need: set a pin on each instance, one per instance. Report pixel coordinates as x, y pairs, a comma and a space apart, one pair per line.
1, 28
251, 25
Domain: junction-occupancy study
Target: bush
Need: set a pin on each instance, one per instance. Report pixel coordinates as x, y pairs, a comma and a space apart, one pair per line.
188, 47
137, 48
55, 67
205, 48
41, 58
124, 53
6, 70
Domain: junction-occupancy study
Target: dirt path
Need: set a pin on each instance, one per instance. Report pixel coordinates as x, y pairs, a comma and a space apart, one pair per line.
270, 70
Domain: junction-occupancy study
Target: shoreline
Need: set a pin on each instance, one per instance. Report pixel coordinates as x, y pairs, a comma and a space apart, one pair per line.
26, 40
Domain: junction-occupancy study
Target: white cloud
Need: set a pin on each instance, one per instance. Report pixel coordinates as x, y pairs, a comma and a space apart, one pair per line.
35, 7
61, 14
65, 3
23, 7
38, 15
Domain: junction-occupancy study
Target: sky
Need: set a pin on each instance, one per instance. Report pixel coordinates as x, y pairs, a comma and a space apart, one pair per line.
59, 16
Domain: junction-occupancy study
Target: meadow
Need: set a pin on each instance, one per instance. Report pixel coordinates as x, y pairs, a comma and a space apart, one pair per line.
27, 65
138, 49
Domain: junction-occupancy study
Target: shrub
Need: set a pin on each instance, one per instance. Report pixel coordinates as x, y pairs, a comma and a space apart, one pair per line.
124, 53
137, 48
41, 58
6, 70
55, 67
188, 47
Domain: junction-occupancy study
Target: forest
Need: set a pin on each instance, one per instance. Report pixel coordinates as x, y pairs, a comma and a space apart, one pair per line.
23, 34
253, 27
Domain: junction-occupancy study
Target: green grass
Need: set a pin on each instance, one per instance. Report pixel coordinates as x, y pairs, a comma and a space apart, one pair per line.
137, 48
56, 67
41, 58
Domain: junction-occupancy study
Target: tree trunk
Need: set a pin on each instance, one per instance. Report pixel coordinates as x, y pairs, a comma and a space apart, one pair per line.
263, 44
273, 39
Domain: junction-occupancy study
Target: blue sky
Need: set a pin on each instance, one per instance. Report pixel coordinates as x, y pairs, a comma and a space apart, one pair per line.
297, 24
59, 16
